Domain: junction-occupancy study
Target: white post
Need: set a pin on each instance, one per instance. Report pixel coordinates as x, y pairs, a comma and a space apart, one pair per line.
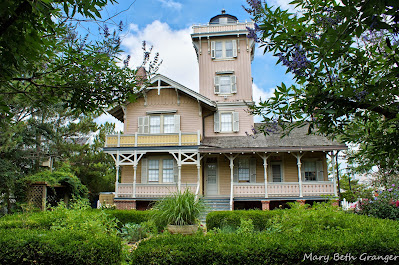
198, 137
134, 180
265, 174
119, 139
332, 156
179, 169
179, 138
299, 164
231, 181
198, 180
116, 181
135, 139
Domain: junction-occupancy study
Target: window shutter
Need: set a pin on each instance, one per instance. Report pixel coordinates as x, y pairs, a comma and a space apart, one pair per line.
319, 169
141, 125
236, 122
177, 123
146, 126
175, 171
233, 84
213, 52
217, 84
216, 122
234, 48
235, 171
252, 170
144, 170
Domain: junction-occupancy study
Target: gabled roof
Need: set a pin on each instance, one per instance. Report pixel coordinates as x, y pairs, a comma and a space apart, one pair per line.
161, 82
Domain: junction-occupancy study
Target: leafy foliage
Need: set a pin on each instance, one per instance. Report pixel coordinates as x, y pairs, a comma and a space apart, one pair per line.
343, 55
352, 190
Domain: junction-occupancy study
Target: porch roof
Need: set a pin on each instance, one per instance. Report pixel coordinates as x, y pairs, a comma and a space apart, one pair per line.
297, 140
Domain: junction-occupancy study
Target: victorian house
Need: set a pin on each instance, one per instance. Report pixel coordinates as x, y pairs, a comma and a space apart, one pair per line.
176, 138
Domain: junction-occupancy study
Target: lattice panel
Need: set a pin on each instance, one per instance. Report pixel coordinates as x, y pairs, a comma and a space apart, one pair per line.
37, 195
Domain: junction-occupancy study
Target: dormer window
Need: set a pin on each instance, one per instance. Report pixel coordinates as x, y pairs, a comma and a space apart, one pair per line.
224, 49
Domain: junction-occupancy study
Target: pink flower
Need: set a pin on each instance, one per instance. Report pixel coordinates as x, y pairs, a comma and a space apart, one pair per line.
397, 203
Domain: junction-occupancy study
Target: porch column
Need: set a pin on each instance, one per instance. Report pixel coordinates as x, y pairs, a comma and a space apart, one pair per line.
116, 181
231, 182
198, 180
265, 157
134, 179
231, 158
332, 157
179, 172
299, 164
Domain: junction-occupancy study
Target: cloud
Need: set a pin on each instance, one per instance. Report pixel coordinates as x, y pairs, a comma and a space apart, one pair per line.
175, 49
260, 94
283, 4
108, 118
171, 4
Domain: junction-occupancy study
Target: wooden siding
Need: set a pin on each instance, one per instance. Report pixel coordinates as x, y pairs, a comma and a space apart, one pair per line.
240, 65
188, 109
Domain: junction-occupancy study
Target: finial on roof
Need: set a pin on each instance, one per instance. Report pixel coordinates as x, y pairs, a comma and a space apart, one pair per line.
223, 11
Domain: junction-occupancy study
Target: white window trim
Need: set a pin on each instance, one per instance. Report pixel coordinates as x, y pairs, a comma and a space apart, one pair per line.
144, 126
235, 122
160, 160
233, 84
224, 57
270, 170
319, 173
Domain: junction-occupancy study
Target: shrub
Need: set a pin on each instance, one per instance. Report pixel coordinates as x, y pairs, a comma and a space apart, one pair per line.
178, 209
134, 232
322, 230
128, 216
232, 219
385, 205
21, 246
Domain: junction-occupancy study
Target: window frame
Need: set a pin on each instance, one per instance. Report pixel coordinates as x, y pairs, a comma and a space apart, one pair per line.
223, 50
279, 163
239, 168
235, 121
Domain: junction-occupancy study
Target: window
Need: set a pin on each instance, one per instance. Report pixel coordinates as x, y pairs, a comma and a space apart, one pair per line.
225, 84
224, 49
153, 170
159, 124
312, 170
155, 124
158, 169
226, 122
167, 171
276, 172
243, 170
168, 124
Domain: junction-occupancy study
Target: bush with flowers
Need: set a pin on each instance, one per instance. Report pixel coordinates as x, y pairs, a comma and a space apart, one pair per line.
385, 203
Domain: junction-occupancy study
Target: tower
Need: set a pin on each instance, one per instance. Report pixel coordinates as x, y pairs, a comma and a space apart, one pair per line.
224, 56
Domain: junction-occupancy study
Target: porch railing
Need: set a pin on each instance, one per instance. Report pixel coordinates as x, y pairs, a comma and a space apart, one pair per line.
286, 189
210, 28
151, 190
169, 139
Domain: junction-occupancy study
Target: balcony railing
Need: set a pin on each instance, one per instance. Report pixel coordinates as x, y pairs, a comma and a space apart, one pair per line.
167, 139
151, 190
212, 28
283, 189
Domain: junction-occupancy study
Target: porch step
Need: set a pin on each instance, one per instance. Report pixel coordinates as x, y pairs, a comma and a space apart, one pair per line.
214, 204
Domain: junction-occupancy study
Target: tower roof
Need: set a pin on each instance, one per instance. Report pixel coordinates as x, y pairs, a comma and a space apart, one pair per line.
223, 18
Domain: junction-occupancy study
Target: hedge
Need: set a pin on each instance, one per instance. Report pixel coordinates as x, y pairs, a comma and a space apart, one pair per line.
260, 219
376, 238
44, 220
21, 246
129, 216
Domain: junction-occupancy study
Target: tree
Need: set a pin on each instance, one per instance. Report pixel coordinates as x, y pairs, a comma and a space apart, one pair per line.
344, 57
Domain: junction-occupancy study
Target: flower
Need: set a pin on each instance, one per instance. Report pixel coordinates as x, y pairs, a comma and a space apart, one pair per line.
393, 185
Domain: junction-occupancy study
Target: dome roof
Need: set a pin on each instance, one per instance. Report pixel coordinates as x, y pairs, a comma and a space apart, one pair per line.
223, 18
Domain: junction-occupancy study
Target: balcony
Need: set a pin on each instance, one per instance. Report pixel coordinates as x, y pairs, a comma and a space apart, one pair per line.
284, 189
213, 28
139, 140
125, 190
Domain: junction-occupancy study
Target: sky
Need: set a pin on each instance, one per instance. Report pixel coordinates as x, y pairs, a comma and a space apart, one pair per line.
167, 24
